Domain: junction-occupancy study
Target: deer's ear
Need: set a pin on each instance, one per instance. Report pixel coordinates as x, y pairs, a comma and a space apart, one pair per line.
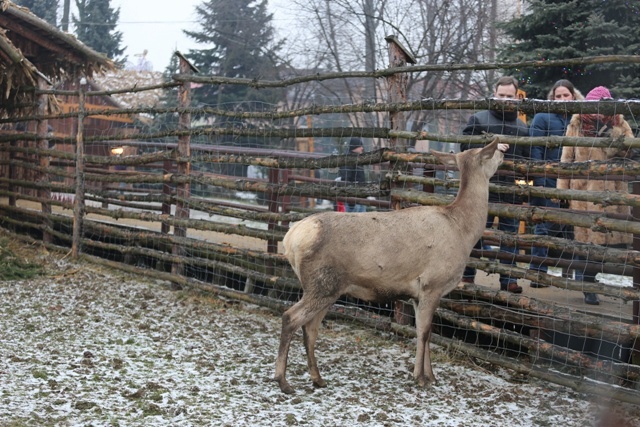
488, 150
446, 159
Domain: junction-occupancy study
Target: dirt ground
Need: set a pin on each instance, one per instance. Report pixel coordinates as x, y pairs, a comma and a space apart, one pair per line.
81, 344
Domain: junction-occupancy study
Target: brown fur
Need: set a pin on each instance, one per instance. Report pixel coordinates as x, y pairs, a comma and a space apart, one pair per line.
585, 154
418, 252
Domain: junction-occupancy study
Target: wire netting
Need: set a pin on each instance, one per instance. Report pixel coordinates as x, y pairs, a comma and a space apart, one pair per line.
203, 196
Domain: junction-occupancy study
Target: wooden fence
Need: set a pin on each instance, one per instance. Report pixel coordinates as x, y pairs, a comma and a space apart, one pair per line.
178, 204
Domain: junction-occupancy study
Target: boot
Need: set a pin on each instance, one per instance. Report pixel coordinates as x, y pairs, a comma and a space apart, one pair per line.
591, 299
511, 287
537, 285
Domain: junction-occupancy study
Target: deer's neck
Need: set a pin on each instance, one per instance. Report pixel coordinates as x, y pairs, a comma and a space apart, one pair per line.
471, 205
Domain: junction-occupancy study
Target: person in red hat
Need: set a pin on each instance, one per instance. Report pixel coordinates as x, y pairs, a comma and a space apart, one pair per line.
596, 125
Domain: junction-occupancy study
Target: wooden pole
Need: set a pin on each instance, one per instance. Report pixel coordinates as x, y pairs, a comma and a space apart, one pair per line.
183, 189
397, 83
272, 243
312, 172
167, 167
274, 180
78, 203
43, 144
13, 175
635, 357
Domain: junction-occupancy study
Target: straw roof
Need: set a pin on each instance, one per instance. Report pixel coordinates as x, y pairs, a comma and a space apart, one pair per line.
123, 79
31, 47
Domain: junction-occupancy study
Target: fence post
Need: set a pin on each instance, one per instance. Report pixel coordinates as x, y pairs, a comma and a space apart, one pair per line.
274, 180
167, 167
635, 355
397, 83
183, 189
13, 175
78, 202
311, 149
43, 144
285, 201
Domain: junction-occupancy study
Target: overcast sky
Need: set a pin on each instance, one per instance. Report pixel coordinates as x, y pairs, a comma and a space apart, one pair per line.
156, 25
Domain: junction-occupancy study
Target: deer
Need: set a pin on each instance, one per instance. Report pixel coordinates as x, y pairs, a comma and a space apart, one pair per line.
418, 252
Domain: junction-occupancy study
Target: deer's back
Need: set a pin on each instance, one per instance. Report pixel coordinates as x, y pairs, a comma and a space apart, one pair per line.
375, 248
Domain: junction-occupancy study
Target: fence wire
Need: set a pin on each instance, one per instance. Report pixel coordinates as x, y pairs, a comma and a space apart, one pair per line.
210, 202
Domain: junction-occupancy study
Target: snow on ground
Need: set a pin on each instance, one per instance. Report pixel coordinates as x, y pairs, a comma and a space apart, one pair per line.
83, 345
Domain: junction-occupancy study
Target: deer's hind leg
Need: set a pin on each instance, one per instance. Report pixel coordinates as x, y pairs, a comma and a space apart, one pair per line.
320, 292
309, 335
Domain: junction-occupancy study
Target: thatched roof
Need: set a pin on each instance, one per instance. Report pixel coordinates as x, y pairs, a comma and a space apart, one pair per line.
28, 46
122, 79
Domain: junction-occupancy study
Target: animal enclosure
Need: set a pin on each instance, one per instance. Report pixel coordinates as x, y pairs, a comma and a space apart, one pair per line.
203, 196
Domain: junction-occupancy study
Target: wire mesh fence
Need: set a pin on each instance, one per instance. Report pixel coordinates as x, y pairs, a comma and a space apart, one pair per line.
204, 195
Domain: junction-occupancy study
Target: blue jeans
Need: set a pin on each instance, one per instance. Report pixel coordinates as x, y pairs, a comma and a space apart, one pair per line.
542, 229
351, 207
504, 224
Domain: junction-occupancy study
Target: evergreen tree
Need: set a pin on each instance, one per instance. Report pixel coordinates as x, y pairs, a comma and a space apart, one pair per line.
239, 41
45, 9
95, 26
558, 29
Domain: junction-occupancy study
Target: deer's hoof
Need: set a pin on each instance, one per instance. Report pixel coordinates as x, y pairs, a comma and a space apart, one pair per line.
287, 389
319, 383
284, 386
424, 381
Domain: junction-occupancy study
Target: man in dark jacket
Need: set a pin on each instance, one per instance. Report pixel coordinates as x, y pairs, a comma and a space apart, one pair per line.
353, 174
500, 122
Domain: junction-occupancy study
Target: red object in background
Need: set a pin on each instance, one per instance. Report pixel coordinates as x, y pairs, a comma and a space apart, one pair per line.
340, 207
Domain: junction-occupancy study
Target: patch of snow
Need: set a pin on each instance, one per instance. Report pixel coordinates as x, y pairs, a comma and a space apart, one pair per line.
85, 345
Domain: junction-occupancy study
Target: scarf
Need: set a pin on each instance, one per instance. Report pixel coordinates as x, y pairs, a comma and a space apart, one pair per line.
597, 125
505, 116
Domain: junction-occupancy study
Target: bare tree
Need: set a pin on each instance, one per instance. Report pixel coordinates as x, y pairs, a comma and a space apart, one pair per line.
454, 32
348, 35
